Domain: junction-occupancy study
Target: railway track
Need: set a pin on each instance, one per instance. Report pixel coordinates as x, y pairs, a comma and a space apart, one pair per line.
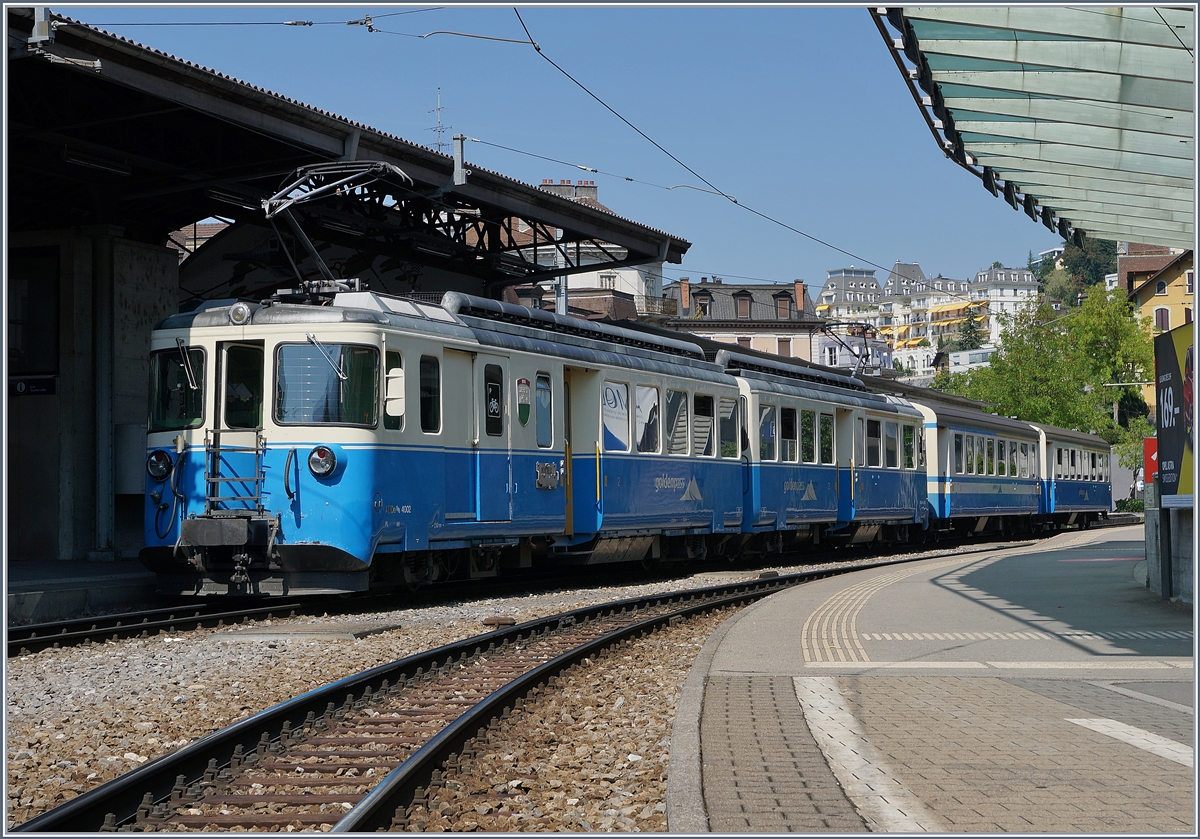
354, 755
23, 640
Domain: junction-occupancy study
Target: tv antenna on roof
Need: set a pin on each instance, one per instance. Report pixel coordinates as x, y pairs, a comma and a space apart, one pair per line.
440, 129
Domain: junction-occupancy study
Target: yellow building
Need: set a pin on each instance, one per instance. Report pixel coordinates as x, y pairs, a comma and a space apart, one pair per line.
1167, 298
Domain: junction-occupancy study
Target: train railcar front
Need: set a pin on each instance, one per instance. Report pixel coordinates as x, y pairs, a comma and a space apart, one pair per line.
1076, 473
827, 457
263, 455
982, 471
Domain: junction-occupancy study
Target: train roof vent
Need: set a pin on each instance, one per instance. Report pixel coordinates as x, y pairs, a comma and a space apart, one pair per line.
458, 303
734, 361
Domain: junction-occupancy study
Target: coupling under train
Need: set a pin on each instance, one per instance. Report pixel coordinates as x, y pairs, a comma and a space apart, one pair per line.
332, 440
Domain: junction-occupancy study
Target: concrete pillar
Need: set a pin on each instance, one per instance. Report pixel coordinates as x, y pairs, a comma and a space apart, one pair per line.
103, 544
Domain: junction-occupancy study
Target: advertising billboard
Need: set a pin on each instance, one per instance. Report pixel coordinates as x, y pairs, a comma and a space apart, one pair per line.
1173, 376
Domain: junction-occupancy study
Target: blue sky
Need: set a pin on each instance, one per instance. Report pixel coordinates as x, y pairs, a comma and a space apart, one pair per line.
799, 112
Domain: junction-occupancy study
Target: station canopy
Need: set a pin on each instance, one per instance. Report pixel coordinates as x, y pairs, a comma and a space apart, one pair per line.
1082, 117
102, 130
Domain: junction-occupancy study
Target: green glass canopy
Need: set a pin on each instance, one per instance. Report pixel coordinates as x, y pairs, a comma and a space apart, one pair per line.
1083, 117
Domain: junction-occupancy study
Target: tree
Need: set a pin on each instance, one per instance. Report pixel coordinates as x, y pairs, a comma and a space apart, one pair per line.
997, 264
1090, 263
1060, 285
970, 337
1054, 370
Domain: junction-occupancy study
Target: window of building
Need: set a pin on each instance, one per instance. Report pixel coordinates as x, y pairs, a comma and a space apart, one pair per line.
1187, 315
1162, 319
743, 305
703, 305
785, 347
831, 356
744, 342
1160, 287
783, 307
1190, 278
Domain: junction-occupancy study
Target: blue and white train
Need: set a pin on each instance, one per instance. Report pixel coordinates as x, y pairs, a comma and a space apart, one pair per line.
333, 440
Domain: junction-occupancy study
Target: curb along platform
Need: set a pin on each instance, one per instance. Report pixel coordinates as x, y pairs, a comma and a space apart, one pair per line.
1032, 689
50, 591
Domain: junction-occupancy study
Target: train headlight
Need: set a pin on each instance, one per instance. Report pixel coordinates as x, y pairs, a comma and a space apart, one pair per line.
322, 461
158, 464
239, 313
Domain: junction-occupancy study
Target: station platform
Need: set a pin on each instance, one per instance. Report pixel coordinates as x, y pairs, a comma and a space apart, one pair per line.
39, 592
1026, 689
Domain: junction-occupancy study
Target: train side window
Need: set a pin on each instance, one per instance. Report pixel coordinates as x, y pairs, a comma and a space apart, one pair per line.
873, 440
543, 419
808, 431
826, 438
327, 384
980, 467
920, 432
1074, 464
1024, 460
891, 445
766, 432
702, 426
615, 412
645, 418
991, 456
1012, 458
493, 400
1058, 464
959, 468
393, 391
910, 440
728, 428
970, 454
788, 434
431, 394
1001, 461
860, 441
677, 422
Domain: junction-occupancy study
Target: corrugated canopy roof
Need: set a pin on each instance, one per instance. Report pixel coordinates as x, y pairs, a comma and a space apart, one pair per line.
1082, 117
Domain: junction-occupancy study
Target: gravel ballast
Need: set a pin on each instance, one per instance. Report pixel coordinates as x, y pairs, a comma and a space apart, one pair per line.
77, 717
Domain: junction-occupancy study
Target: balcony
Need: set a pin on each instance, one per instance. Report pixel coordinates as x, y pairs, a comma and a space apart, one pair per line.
663, 306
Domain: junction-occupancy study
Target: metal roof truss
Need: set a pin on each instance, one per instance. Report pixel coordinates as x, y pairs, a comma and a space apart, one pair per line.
1081, 116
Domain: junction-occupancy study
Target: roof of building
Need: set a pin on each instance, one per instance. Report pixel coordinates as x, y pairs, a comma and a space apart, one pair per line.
97, 106
762, 302
1083, 117
1177, 262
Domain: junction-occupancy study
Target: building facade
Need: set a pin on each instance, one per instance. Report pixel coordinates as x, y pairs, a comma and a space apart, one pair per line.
777, 319
997, 294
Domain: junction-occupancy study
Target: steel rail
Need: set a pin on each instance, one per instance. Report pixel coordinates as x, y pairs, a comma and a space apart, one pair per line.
23, 640
132, 795
379, 809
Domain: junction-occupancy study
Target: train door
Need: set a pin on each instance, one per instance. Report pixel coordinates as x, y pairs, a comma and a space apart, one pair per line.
458, 437
493, 450
584, 464
233, 448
